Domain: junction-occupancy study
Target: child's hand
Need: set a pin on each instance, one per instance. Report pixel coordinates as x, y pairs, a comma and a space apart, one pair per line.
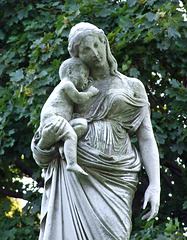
93, 90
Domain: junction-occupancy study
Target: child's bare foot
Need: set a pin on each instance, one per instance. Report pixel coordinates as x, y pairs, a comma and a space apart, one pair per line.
76, 168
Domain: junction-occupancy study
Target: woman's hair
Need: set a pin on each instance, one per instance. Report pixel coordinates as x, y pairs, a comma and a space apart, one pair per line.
80, 31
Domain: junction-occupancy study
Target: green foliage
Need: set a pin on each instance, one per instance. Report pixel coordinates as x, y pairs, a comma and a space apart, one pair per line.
148, 39
168, 230
20, 225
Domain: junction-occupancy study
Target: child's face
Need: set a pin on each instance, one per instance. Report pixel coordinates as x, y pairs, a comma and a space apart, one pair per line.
80, 78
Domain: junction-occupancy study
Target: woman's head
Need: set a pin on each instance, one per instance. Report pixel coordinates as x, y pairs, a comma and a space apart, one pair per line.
82, 31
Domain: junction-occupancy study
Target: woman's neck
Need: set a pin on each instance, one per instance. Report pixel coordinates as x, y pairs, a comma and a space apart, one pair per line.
100, 72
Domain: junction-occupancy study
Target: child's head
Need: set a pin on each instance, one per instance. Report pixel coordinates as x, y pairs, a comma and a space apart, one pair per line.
76, 71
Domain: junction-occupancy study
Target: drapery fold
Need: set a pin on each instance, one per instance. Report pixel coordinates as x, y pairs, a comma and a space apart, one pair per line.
77, 207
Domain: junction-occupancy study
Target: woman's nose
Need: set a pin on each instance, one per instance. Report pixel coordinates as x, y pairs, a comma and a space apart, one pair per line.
95, 54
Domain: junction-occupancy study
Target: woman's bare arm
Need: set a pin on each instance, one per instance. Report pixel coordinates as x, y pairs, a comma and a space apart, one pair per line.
150, 156
150, 160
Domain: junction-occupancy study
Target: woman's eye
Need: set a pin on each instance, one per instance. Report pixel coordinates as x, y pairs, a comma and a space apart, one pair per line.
95, 45
86, 49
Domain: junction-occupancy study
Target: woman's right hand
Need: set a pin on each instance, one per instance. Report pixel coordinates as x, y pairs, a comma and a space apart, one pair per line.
51, 133
152, 195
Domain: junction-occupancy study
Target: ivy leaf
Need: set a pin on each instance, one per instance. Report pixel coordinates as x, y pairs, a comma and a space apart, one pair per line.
104, 12
43, 74
161, 138
150, 36
175, 83
164, 45
17, 75
131, 3
185, 205
178, 147
46, 56
12, 131
172, 32
150, 2
134, 72
21, 14
170, 227
2, 35
155, 30
152, 16
2, 67
161, 237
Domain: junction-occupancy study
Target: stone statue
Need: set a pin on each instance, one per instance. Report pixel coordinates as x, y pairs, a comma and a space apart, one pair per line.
96, 206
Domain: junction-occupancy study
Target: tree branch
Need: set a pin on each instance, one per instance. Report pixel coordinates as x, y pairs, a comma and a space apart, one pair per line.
185, 81
9, 193
174, 168
25, 169
166, 179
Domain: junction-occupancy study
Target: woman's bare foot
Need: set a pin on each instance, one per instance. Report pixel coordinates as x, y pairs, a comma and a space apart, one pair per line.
76, 168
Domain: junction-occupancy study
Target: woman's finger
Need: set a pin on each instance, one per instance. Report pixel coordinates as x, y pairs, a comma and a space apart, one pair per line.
145, 203
146, 199
146, 215
57, 125
152, 212
49, 125
60, 130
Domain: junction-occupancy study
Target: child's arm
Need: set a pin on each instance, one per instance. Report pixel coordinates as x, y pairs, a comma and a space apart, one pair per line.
76, 96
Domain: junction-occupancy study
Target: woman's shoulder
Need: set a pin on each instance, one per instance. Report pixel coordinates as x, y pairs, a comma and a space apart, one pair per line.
136, 86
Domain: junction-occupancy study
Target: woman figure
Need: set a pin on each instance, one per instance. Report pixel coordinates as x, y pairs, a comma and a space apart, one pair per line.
99, 206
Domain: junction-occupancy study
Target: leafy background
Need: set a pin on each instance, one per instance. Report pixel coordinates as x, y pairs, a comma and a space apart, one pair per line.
148, 39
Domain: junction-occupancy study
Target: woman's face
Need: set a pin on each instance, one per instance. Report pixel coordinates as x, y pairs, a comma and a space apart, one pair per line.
92, 52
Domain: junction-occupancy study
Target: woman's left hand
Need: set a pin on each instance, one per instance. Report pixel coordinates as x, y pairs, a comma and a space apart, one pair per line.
152, 195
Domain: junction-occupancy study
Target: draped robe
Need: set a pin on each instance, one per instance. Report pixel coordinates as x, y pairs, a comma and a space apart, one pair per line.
97, 206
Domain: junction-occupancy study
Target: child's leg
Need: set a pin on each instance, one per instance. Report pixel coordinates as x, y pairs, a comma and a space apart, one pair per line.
80, 126
70, 152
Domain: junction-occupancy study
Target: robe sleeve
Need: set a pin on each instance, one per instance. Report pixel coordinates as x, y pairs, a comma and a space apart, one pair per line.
43, 157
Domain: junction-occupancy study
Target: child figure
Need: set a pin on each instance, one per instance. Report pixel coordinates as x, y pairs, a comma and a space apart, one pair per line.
74, 79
